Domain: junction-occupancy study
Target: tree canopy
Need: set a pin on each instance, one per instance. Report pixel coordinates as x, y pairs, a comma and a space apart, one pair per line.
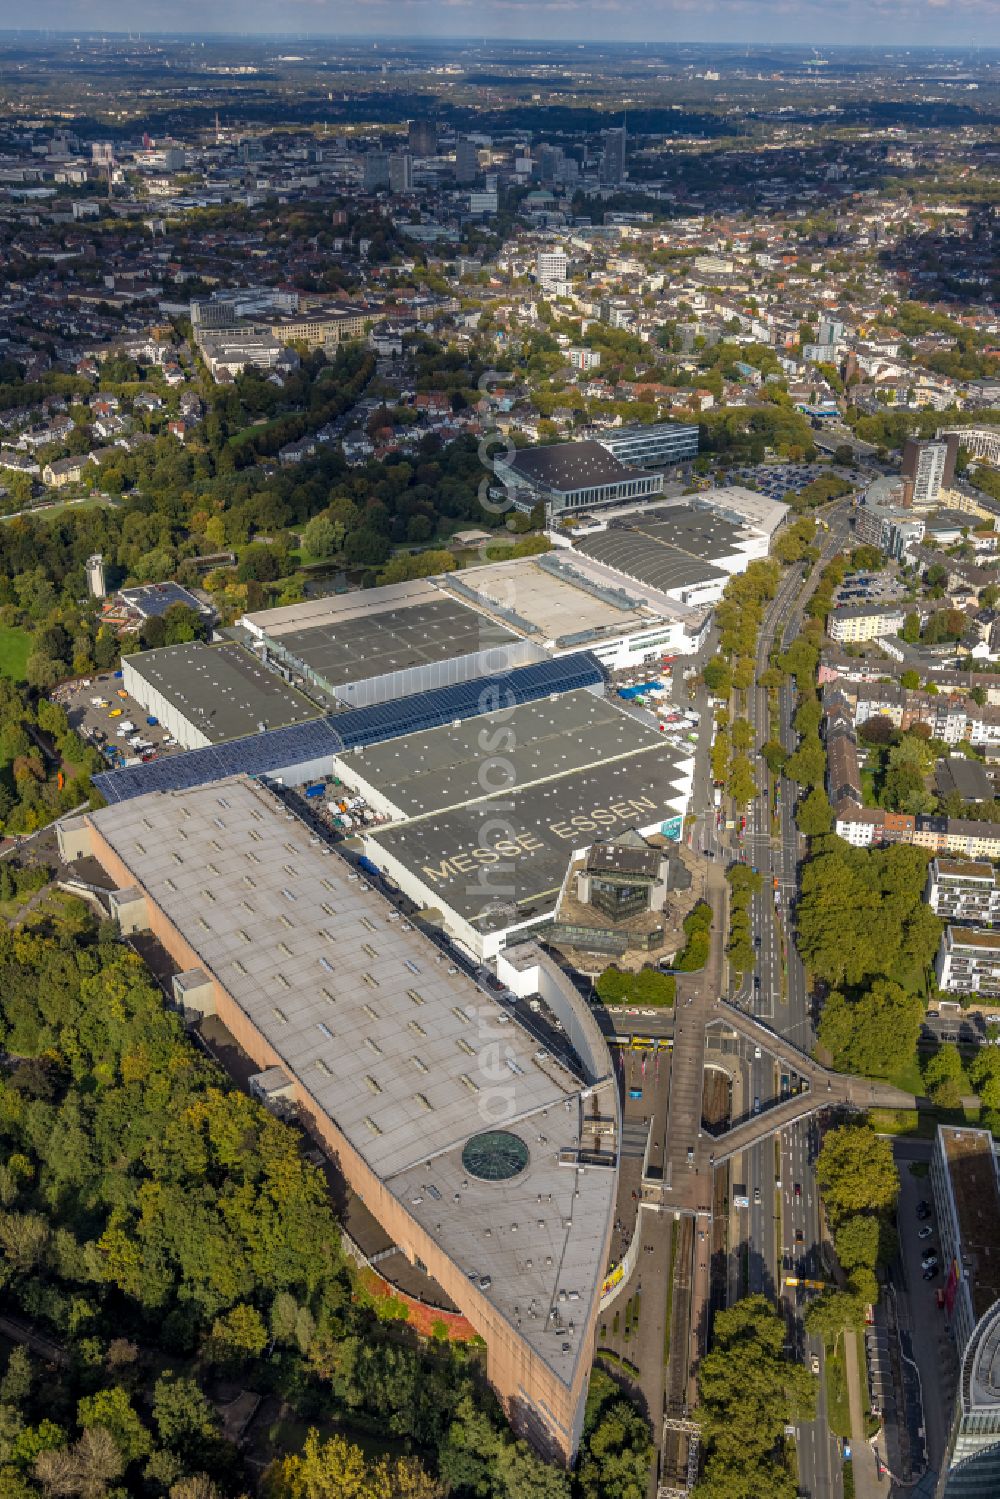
860, 915
749, 1390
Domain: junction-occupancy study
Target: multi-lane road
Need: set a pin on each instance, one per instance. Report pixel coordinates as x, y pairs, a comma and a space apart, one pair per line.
783, 1218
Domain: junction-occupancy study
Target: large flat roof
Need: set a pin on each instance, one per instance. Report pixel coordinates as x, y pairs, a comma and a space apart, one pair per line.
700, 533
222, 689
649, 559
384, 633
281, 750
427, 772
566, 466
386, 1037
502, 860
746, 505
552, 602
331, 608
972, 1166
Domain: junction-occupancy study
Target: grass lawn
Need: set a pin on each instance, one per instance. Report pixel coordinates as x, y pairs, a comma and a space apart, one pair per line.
908, 1077
15, 648
921, 1124
838, 1412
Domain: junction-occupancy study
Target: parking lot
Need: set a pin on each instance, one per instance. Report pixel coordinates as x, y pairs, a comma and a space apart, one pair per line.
99, 708
867, 588
919, 1348
776, 479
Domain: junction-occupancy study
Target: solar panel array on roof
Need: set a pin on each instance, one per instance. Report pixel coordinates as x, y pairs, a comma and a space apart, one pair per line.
270, 753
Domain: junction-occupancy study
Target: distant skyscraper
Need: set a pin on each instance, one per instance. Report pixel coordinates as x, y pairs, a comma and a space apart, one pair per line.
102, 153
550, 162
401, 172
466, 160
376, 171
613, 160
422, 137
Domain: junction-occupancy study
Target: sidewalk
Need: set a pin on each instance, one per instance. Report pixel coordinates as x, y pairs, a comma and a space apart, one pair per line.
866, 1484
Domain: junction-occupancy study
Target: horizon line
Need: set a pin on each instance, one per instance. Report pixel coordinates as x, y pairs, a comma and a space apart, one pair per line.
138, 34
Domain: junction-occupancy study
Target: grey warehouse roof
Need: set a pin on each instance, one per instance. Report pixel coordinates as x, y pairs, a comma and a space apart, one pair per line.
700, 533
566, 466
386, 1037
374, 644
222, 689
535, 741
279, 750
496, 867
650, 560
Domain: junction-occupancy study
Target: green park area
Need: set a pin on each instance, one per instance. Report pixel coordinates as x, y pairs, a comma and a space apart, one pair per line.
15, 648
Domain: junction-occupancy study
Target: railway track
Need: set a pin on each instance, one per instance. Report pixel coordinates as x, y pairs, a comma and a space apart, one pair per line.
677, 1441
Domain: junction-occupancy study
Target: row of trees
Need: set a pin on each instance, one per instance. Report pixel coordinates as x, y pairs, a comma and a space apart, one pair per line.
859, 1184
744, 884
697, 925
750, 1390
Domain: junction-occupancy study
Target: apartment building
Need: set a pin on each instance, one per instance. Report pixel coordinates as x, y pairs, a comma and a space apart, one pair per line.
551, 268
978, 442
872, 827
961, 892
865, 827
968, 961
855, 623
931, 467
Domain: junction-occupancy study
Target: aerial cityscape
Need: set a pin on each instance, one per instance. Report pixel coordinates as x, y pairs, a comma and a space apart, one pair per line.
500, 754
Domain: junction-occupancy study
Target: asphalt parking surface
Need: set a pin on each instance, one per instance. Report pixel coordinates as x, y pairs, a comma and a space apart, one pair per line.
92, 722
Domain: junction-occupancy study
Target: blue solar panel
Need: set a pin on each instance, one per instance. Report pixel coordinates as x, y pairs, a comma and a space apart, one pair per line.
276, 750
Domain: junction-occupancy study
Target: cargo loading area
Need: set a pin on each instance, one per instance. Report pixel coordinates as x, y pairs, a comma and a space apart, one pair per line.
207, 694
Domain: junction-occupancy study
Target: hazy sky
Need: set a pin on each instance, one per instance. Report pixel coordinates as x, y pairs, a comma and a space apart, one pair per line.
947, 23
